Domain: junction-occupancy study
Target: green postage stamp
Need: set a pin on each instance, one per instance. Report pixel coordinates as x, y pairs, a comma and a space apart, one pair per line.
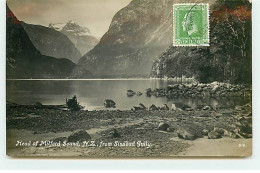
191, 24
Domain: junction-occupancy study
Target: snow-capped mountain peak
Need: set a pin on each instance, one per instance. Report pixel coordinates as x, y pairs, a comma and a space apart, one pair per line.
71, 27
57, 26
80, 36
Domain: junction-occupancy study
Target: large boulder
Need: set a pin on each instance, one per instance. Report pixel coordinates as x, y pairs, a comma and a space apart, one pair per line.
163, 126
109, 103
185, 134
79, 135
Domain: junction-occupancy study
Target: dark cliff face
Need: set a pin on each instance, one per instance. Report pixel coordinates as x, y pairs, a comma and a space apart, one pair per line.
137, 35
51, 43
23, 60
227, 59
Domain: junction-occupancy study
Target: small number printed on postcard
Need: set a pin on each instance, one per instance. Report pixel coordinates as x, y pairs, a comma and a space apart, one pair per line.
191, 24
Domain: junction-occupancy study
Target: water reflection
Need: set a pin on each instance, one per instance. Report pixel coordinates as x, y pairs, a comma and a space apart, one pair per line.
92, 94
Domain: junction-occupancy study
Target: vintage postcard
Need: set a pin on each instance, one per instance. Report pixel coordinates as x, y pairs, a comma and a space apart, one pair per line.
129, 79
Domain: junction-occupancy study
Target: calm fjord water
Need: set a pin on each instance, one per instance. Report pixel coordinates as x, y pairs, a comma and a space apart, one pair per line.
92, 93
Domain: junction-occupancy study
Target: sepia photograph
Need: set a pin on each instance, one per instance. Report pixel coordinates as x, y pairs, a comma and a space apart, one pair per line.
123, 79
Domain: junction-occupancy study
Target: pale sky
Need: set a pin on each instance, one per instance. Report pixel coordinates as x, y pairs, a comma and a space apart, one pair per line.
94, 14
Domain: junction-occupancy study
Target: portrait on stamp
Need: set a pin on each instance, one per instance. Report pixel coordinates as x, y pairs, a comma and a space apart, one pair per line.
191, 24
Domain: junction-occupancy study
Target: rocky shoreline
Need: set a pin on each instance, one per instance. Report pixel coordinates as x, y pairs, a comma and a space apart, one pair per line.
215, 89
157, 127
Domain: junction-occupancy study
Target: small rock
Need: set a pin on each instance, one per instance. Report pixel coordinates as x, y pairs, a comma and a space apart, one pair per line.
220, 131
136, 108
231, 134
163, 126
236, 130
205, 132
170, 129
215, 88
38, 104
79, 135
165, 107
181, 86
149, 92
205, 108
115, 134
139, 93
173, 108
130, 93
214, 135
142, 106
182, 106
153, 108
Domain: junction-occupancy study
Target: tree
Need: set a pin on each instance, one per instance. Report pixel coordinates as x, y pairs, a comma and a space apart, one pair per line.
231, 38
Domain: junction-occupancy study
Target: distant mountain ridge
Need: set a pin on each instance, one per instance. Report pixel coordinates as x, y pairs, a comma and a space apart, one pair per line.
51, 43
80, 36
24, 61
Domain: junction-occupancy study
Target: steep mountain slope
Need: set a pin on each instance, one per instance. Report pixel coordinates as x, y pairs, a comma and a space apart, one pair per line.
51, 43
137, 34
23, 60
229, 57
80, 36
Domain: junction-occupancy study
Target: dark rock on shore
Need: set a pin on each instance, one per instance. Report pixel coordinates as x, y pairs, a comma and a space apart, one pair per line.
79, 135
165, 108
206, 108
149, 92
130, 93
109, 103
171, 129
153, 108
115, 134
139, 93
163, 126
140, 107
185, 134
